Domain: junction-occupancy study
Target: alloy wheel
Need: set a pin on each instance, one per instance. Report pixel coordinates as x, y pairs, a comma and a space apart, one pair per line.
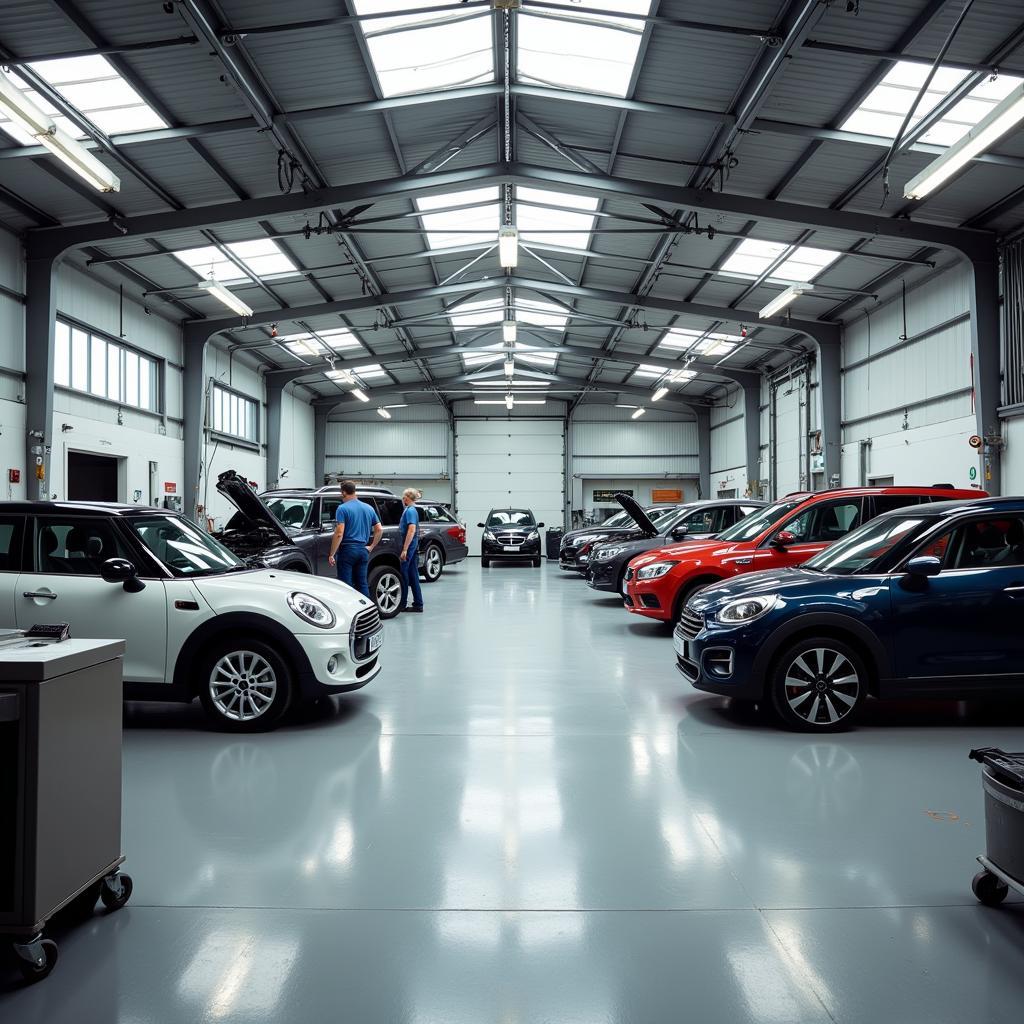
433, 563
243, 685
388, 593
821, 686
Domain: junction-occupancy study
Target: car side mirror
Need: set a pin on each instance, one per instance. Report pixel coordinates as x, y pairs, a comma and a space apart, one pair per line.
924, 565
483, 526
679, 532
540, 526
120, 570
783, 539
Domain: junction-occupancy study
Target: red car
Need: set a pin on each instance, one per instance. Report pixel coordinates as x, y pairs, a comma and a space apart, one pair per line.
659, 583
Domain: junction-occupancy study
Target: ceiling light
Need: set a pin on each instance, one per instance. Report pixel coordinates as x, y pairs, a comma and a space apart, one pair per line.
383, 413
23, 112
228, 297
508, 246
343, 375
783, 299
659, 394
638, 413
622, 405
992, 127
508, 330
403, 405
510, 367
360, 394
531, 401
509, 402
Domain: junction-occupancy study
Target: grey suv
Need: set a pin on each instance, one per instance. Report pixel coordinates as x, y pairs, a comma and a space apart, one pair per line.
291, 529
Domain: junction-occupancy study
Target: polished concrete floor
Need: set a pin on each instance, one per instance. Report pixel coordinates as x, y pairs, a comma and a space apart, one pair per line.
528, 817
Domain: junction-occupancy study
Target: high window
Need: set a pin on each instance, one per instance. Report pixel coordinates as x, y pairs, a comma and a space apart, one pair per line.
96, 366
234, 414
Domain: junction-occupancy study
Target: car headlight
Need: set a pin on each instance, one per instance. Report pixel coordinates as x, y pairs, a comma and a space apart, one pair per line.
603, 554
655, 570
489, 536
533, 535
746, 609
311, 609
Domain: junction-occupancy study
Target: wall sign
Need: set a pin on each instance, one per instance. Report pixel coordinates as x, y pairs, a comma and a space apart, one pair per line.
170, 487
973, 473
610, 495
667, 496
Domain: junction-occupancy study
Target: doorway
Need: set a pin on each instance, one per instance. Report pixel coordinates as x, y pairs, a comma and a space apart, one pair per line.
92, 477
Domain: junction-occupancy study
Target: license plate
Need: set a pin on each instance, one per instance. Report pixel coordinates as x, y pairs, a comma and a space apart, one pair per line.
682, 647
511, 547
375, 640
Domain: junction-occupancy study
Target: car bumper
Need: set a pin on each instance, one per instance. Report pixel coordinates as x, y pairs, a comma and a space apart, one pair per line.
531, 549
649, 602
328, 649
456, 553
603, 576
718, 661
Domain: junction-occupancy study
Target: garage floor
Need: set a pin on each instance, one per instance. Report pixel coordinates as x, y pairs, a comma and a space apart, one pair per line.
529, 818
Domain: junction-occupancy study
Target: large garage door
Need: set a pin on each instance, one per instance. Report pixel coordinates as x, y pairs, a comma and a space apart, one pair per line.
502, 464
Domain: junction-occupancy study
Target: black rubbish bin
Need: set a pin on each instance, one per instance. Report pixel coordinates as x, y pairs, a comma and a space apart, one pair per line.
552, 541
1002, 779
60, 788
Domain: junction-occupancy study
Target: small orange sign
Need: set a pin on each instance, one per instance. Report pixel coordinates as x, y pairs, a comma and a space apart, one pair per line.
666, 497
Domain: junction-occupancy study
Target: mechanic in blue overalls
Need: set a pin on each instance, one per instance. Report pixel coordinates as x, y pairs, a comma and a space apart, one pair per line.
408, 530
351, 542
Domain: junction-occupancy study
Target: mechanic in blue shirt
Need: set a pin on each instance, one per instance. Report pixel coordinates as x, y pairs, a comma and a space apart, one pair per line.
408, 530
351, 542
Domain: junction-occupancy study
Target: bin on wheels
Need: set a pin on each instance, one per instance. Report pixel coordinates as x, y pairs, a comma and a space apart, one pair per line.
60, 788
552, 542
1002, 865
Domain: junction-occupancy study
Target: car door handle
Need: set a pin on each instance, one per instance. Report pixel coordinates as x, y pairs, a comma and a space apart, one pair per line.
1014, 589
40, 593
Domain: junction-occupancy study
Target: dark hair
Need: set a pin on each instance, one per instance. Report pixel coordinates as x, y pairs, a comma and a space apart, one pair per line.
348, 487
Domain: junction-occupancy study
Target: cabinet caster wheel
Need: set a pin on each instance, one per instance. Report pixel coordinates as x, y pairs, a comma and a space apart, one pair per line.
989, 889
36, 959
116, 891
84, 903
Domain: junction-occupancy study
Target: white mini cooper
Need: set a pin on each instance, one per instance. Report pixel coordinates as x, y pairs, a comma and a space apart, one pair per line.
198, 621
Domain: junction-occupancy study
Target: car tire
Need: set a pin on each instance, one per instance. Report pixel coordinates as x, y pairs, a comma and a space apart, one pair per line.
385, 586
818, 685
484, 562
296, 567
433, 563
536, 563
244, 684
688, 592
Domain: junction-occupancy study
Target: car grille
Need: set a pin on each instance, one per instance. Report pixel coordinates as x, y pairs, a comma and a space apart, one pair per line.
689, 624
365, 623
511, 538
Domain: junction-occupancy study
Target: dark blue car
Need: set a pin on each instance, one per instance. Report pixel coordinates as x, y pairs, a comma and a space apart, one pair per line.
927, 601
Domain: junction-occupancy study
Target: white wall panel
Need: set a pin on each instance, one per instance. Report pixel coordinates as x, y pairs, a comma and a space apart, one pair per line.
297, 419
1013, 456
388, 449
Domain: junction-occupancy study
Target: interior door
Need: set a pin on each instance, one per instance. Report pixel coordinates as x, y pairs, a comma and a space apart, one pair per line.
965, 622
64, 585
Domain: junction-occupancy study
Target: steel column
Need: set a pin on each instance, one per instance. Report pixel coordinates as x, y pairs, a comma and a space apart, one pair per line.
752, 436
703, 417
831, 419
193, 398
275, 396
986, 357
40, 321
320, 416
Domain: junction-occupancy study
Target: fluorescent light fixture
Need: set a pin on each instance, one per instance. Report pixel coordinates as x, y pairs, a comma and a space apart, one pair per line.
24, 113
622, 405
401, 405
508, 330
501, 401
659, 394
383, 413
510, 367
508, 246
637, 413
783, 299
509, 402
991, 128
343, 375
228, 297
360, 394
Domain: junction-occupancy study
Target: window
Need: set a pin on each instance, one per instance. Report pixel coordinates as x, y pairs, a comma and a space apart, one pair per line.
389, 509
92, 86
864, 548
106, 369
315, 343
801, 263
705, 343
491, 312
76, 547
329, 510
262, 257
701, 521
584, 51
463, 218
560, 227
511, 517
824, 522
290, 511
527, 353
645, 372
234, 414
424, 52
183, 547
890, 502
887, 104
10, 543
436, 514
982, 544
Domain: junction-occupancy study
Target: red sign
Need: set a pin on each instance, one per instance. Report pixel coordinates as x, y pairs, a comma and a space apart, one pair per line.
14, 476
170, 487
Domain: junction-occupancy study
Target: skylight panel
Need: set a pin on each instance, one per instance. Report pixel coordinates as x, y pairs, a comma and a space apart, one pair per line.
646, 372
262, 256
332, 340
92, 86
527, 353
460, 227
541, 314
437, 52
587, 52
573, 228
682, 339
369, 370
885, 107
482, 313
753, 257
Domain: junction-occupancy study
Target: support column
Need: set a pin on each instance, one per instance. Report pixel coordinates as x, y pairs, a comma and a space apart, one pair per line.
194, 414
40, 319
320, 444
752, 436
986, 358
703, 451
830, 388
275, 393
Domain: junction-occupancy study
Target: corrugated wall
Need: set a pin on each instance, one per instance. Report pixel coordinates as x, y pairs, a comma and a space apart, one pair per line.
388, 449
907, 405
728, 445
639, 448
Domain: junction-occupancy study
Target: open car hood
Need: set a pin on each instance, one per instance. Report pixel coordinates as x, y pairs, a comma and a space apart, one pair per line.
237, 490
639, 516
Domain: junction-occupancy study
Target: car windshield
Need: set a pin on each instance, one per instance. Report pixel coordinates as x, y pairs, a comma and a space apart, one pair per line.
661, 515
183, 547
758, 522
511, 517
619, 519
289, 511
665, 523
864, 547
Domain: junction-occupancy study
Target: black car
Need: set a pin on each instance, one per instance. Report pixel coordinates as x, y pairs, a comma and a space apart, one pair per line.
576, 545
697, 520
510, 533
